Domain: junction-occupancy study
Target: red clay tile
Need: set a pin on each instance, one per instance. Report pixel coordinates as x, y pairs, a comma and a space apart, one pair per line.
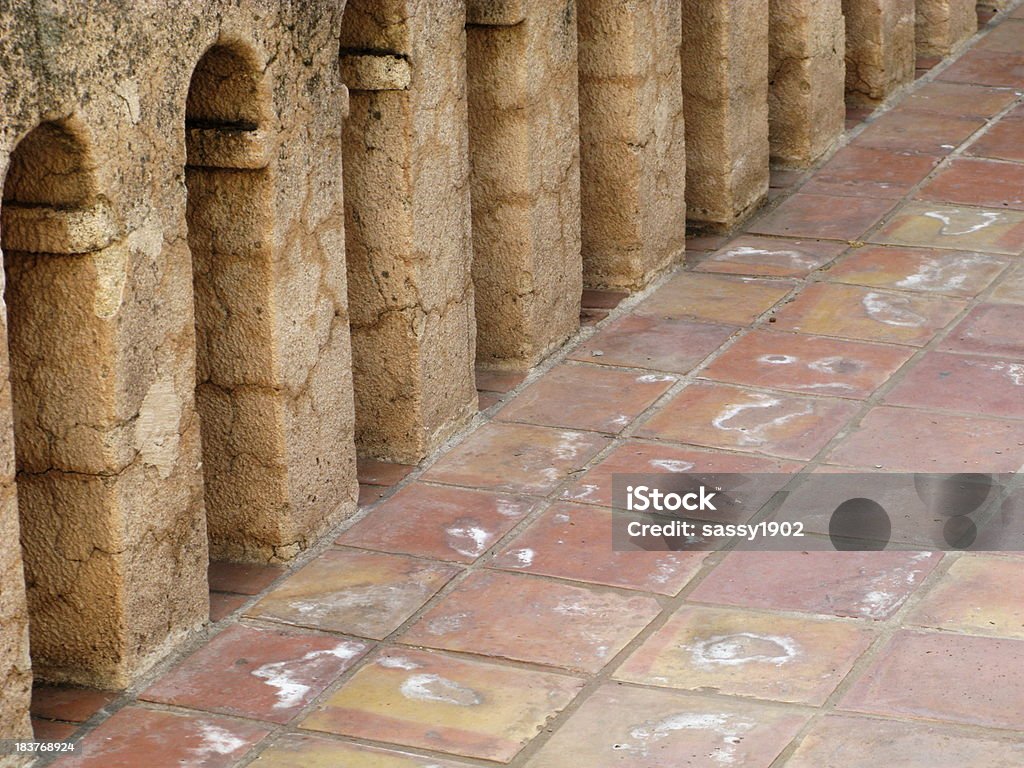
864, 585
924, 133
223, 604
602, 299
987, 68
498, 381
807, 364
487, 399
574, 542
445, 523
519, 458
371, 494
633, 456
718, 298
263, 674
989, 329
846, 741
136, 737
824, 216
853, 312
979, 595
624, 726
48, 730
973, 680
359, 593
705, 242
959, 100
771, 257
1004, 140
555, 624
798, 660
956, 273
654, 343
63, 702
985, 183
591, 317
856, 170
386, 473
1007, 37
586, 397
782, 178
722, 416
1011, 288
969, 383
901, 439
429, 701
242, 578
945, 226
299, 750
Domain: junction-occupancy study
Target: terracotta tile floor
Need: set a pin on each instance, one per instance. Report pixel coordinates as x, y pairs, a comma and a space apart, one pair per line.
475, 613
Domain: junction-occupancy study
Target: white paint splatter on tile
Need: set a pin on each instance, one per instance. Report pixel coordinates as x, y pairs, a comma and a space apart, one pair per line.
962, 217
284, 675
216, 741
757, 433
397, 662
892, 310
468, 540
940, 275
524, 557
435, 688
741, 648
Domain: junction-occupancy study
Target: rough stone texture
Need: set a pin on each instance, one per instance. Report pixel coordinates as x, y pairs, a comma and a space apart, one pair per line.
632, 143
806, 108
524, 148
407, 224
942, 25
879, 48
100, 318
725, 100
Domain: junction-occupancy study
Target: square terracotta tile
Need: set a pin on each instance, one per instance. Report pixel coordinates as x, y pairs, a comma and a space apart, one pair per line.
430, 701
958, 100
958, 678
1002, 141
574, 542
989, 329
718, 298
857, 170
242, 578
847, 741
624, 726
855, 312
386, 473
807, 364
63, 702
723, 416
771, 257
1011, 288
993, 68
371, 494
49, 730
921, 132
863, 585
359, 593
602, 299
455, 524
902, 439
498, 381
263, 674
635, 457
654, 343
223, 604
298, 750
136, 737
799, 660
945, 226
1007, 37
978, 594
969, 383
516, 458
984, 183
955, 273
555, 624
825, 216
586, 397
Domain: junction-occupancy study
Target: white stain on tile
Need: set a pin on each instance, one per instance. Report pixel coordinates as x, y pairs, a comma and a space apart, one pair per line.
745, 254
508, 508
892, 310
751, 420
1013, 371
671, 465
778, 359
523, 557
468, 540
435, 688
215, 741
397, 662
943, 275
727, 727
652, 378
442, 625
741, 648
962, 222
285, 675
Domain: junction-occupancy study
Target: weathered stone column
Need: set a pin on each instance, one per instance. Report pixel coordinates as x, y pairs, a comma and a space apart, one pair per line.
407, 224
632, 143
806, 104
879, 48
942, 25
725, 99
524, 148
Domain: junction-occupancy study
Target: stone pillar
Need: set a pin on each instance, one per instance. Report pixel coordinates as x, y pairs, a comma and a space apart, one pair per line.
524, 148
806, 104
632, 144
942, 25
880, 54
725, 99
407, 224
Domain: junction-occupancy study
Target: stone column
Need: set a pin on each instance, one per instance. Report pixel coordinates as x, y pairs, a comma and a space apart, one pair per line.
725, 99
879, 48
806, 105
524, 148
942, 25
632, 143
407, 224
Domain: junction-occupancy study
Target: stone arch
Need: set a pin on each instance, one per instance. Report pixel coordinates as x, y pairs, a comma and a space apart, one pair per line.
230, 235
56, 234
